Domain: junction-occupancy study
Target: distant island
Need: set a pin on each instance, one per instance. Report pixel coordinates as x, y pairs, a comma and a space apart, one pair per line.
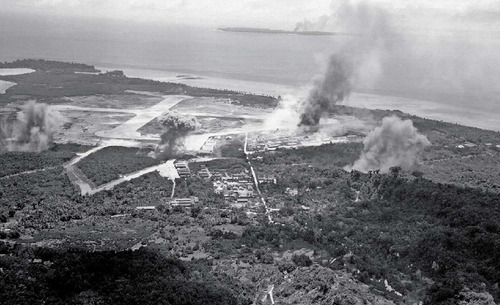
269, 31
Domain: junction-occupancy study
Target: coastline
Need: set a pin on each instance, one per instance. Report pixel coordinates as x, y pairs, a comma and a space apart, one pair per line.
203, 81
427, 109
15, 71
4, 85
422, 108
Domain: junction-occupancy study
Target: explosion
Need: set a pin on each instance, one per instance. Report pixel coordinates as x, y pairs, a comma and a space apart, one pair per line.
394, 143
177, 128
32, 131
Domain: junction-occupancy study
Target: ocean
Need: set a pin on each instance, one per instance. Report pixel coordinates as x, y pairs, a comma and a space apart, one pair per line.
450, 77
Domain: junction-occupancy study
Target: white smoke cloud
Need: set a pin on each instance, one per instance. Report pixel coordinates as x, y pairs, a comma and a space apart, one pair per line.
33, 130
394, 143
287, 114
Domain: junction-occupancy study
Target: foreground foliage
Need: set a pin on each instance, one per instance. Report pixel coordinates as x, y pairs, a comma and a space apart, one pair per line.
111, 162
44, 276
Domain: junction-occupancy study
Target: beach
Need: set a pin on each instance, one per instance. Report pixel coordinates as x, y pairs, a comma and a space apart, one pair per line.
14, 71
203, 81
428, 110
422, 108
4, 85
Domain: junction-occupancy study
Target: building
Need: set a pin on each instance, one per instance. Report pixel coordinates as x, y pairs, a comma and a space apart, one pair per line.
208, 147
184, 202
181, 164
242, 200
216, 177
147, 207
240, 178
267, 180
204, 173
184, 172
182, 168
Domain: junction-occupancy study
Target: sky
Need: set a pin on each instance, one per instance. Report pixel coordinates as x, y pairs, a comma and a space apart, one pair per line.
279, 14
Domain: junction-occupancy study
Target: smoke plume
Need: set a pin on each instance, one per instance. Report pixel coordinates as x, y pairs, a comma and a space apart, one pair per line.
177, 127
328, 90
33, 129
357, 58
394, 143
308, 26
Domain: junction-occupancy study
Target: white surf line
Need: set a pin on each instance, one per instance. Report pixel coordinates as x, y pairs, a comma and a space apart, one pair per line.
15, 71
427, 109
4, 85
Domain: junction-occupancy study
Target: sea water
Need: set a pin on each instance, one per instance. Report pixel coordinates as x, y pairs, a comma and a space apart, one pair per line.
455, 79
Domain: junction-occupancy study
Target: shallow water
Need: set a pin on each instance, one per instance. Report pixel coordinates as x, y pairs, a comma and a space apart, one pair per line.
4, 85
456, 72
428, 109
15, 71
419, 107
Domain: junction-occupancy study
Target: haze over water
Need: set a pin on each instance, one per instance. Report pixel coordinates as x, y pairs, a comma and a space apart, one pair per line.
460, 70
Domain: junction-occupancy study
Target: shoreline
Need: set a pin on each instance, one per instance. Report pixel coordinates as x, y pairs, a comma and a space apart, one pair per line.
196, 80
4, 85
15, 71
427, 109
419, 107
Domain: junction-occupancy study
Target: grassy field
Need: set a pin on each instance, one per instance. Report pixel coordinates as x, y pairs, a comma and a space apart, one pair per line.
13, 163
481, 171
111, 162
232, 166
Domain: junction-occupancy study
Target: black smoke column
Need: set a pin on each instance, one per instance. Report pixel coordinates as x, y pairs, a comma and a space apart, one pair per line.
328, 90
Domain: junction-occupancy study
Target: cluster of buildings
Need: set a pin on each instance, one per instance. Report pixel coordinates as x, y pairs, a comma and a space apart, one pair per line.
272, 142
182, 168
208, 147
204, 172
267, 180
187, 202
260, 144
237, 188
